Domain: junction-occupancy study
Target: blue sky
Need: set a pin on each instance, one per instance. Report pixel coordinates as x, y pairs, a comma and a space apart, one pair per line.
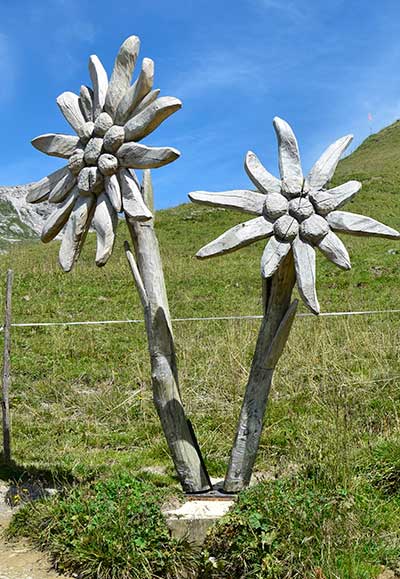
322, 66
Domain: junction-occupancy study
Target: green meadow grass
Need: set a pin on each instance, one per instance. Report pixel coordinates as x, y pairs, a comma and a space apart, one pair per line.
81, 397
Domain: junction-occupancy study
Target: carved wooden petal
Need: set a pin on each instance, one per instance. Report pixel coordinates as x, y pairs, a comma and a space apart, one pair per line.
69, 106
122, 74
334, 249
274, 254
359, 225
289, 157
138, 156
56, 145
324, 168
76, 230
86, 102
327, 201
150, 118
132, 200
237, 237
39, 191
62, 188
147, 100
113, 191
244, 200
262, 179
100, 84
59, 217
141, 87
105, 222
304, 260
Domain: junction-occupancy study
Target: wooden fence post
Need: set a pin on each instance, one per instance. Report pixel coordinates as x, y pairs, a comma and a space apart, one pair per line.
5, 404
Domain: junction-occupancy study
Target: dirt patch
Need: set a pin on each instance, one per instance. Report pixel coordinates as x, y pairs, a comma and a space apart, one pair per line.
18, 560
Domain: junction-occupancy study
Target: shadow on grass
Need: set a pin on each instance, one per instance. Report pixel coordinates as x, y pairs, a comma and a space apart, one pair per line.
14, 472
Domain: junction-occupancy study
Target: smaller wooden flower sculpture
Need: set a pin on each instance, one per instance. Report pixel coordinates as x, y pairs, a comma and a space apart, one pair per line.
295, 212
97, 184
298, 215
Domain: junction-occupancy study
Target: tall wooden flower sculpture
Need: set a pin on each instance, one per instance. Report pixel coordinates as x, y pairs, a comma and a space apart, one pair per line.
298, 215
96, 184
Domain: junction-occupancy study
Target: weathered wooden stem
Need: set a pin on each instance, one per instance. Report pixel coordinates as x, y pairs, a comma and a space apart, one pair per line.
149, 276
274, 331
5, 404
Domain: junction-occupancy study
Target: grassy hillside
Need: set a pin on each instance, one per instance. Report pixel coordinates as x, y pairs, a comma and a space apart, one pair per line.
81, 397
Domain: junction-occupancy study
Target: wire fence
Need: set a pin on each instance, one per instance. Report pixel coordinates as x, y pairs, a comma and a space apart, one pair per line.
196, 319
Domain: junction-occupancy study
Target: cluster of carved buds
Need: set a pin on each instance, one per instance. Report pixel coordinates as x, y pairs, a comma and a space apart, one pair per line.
295, 212
98, 182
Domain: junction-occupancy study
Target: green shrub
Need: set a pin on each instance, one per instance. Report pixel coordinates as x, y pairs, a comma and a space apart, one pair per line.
112, 529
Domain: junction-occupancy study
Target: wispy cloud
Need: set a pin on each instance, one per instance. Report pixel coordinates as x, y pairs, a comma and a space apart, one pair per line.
290, 9
219, 69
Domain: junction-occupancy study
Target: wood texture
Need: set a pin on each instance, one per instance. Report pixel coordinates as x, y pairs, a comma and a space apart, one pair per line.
236, 237
39, 191
5, 402
102, 124
132, 200
99, 79
334, 249
275, 328
68, 103
59, 217
273, 255
262, 179
56, 145
327, 201
105, 221
360, 225
147, 100
113, 139
324, 168
167, 399
145, 122
86, 102
76, 231
62, 188
138, 156
241, 199
140, 88
304, 259
113, 191
289, 157
122, 74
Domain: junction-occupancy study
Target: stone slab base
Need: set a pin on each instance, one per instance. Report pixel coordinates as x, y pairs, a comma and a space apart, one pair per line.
193, 519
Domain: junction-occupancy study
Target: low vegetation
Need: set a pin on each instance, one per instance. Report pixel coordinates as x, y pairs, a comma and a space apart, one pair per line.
108, 529
302, 527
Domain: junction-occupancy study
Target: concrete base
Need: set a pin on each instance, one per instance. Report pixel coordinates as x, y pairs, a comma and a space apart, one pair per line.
193, 519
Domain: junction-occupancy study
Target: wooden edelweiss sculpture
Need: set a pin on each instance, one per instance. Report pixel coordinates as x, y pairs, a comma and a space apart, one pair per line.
297, 214
96, 184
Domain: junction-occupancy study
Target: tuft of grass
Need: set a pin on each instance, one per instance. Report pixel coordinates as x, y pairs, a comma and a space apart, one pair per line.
382, 465
110, 529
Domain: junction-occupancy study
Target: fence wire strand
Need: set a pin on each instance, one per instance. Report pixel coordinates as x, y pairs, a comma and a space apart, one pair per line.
196, 319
